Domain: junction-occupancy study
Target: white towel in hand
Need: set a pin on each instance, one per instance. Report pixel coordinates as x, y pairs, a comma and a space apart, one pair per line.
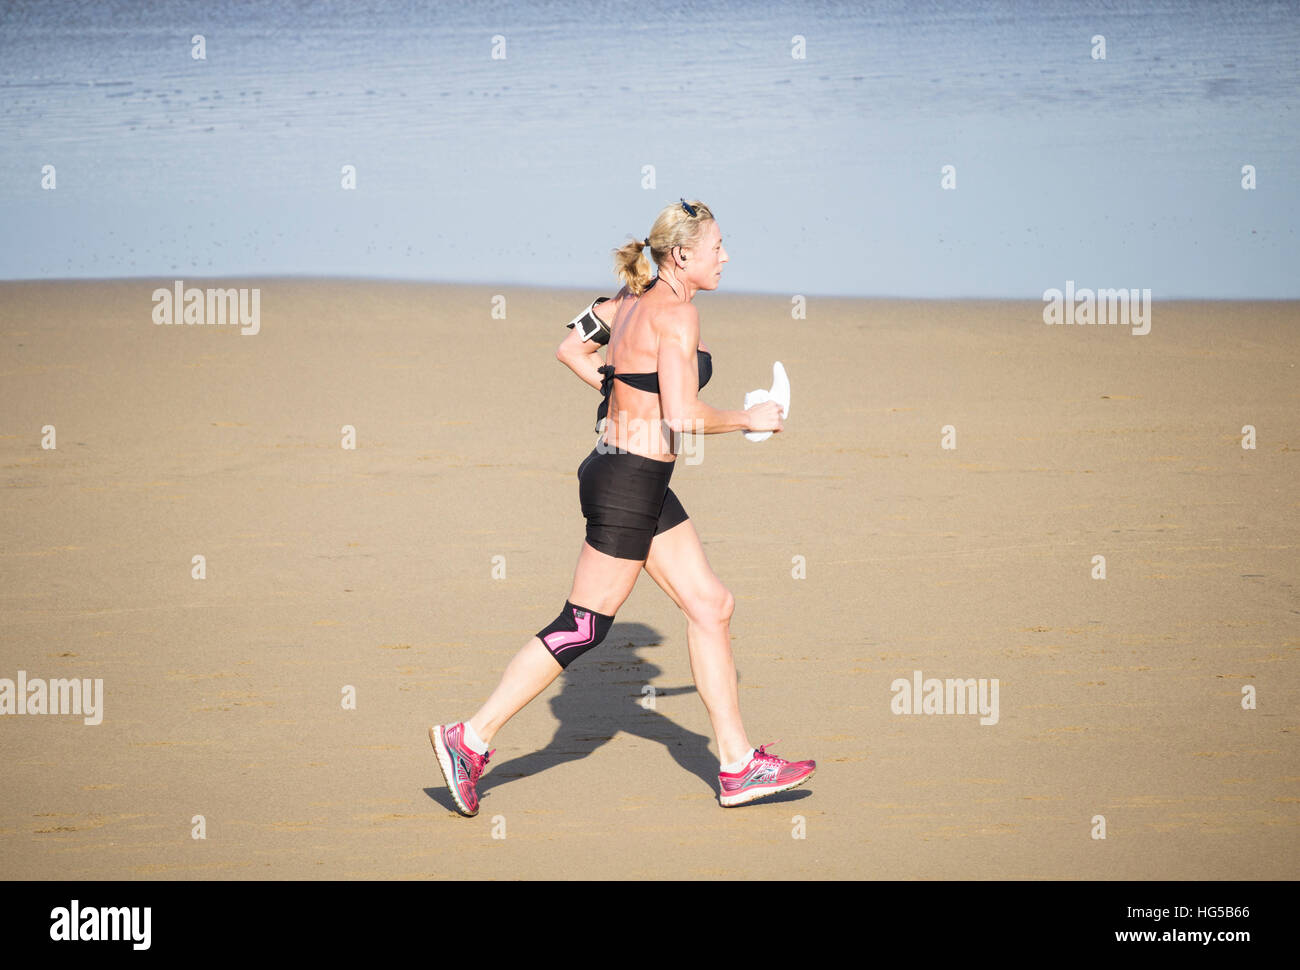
780, 393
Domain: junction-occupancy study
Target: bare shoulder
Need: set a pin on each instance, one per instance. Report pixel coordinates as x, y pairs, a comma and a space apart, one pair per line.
680, 321
608, 310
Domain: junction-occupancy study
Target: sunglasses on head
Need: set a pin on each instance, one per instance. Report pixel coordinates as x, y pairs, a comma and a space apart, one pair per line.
690, 209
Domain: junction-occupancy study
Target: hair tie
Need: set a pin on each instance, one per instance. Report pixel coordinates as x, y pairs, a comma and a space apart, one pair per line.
647, 241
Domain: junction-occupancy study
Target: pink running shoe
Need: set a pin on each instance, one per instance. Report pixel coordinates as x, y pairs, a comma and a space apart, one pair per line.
766, 774
460, 766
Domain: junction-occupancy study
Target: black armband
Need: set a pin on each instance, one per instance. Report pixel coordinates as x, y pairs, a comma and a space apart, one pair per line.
590, 326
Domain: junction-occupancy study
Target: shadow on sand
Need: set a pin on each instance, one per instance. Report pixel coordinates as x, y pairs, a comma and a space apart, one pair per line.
601, 696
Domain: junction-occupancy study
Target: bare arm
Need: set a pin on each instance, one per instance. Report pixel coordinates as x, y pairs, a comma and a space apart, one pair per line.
679, 379
583, 356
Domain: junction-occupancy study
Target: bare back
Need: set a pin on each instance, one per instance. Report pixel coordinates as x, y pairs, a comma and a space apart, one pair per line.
635, 419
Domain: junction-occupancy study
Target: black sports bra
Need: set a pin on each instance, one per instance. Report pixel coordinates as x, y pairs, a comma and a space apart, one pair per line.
650, 382
646, 382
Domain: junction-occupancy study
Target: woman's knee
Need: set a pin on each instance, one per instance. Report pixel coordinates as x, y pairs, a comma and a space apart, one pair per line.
714, 605
728, 604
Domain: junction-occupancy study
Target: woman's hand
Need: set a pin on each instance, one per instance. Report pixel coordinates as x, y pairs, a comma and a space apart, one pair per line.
765, 417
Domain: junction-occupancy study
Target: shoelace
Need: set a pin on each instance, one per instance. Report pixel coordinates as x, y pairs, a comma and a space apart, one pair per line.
764, 756
479, 763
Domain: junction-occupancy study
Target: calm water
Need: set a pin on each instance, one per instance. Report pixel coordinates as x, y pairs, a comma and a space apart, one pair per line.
824, 172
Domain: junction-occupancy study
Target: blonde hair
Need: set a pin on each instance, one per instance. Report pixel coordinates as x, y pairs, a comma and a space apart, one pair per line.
674, 227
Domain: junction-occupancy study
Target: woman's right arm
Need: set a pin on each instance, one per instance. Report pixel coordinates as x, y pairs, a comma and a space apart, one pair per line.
582, 357
582, 354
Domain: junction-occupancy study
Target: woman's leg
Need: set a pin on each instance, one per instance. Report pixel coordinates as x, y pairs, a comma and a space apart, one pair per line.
602, 584
677, 563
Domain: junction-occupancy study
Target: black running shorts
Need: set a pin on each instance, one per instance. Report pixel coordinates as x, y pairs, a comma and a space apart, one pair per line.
627, 502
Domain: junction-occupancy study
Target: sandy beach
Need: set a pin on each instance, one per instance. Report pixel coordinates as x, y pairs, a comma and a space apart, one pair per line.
372, 568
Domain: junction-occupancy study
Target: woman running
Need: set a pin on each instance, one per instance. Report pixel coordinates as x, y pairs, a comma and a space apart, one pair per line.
633, 518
